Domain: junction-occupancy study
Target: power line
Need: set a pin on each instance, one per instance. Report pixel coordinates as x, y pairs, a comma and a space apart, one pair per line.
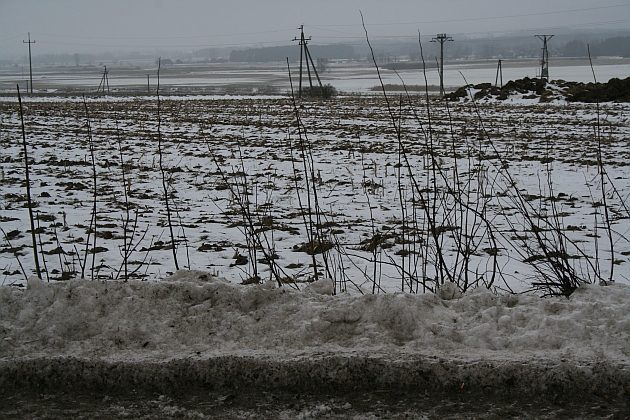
477, 33
133, 37
359, 38
556, 12
169, 46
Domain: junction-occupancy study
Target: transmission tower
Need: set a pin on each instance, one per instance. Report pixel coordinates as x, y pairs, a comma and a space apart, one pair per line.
30, 63
441, 38
305, 55
544, 62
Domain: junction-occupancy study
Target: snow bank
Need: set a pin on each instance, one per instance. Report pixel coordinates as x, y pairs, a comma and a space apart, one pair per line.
195, 318
194, 311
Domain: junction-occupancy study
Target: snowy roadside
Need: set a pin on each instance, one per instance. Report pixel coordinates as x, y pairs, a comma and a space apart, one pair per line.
197, 330
315, 372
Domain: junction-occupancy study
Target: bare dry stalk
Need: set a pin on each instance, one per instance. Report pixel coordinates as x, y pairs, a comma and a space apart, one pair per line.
126, 219
163, 171
603, 176
41, 248
93, 222
28, 187
239, 190
558, 276
317, 239
15, 252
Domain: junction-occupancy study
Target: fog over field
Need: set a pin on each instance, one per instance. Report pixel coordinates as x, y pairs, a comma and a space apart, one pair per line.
68, 26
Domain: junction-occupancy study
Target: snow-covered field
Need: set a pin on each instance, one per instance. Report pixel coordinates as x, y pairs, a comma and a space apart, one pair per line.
213, 146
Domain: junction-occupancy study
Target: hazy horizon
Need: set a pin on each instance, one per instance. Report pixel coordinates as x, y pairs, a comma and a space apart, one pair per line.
86, 26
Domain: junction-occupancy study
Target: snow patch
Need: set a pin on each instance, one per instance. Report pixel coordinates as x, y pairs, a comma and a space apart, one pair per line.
321, 287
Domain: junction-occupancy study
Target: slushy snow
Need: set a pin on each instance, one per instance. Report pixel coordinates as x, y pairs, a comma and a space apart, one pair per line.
195, 312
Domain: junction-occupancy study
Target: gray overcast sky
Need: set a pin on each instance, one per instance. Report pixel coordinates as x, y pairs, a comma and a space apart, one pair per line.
112, 25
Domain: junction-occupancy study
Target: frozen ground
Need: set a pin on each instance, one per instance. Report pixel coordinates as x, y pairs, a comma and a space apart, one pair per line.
209, 346
296, 405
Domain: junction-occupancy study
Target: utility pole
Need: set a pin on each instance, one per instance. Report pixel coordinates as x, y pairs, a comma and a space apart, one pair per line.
104, 81
148, 85
30, 63
302, 42
499, 74
441, 38
106, 77
544, 62
305, 55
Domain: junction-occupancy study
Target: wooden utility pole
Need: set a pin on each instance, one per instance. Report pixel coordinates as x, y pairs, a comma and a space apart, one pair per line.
305, 56
302, 43
148, 86
104, 81
441, 38
544, 62
30, 63
499, 74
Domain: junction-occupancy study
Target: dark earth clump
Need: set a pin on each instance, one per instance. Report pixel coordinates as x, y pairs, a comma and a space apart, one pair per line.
615, 90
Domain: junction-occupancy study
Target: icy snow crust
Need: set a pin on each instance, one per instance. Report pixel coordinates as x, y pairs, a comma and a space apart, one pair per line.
197, 329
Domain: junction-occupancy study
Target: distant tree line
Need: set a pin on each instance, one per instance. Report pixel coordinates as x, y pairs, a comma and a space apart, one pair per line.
506, 47
618, 47
280, 53
386, 51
